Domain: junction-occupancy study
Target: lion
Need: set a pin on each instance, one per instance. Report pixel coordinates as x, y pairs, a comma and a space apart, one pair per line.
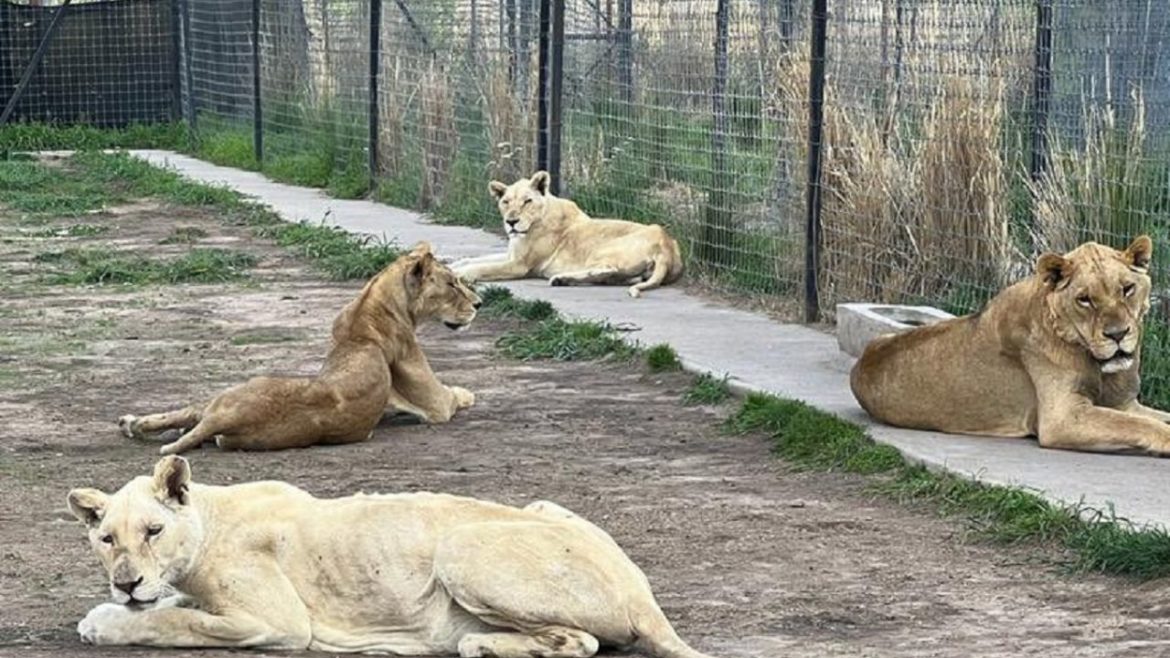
375, 362
550, 237
267, 565
1055, 356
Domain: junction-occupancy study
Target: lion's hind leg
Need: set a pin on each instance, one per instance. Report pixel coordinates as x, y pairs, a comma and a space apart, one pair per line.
135, 427
599, 275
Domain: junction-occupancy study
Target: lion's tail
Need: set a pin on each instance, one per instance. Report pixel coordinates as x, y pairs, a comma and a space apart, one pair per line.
657, 638
668, 267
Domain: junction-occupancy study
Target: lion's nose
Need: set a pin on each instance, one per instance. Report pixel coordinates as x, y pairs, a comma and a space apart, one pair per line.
128, 587
1117, 334
477, 304
512, 222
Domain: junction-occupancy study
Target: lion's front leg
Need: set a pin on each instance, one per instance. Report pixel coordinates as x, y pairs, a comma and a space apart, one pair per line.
417, 390
504, 269
115, 624
1140, 409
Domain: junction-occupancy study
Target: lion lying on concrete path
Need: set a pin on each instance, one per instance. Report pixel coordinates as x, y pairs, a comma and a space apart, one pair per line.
551, 237
267, 565
1056, 356
375, 361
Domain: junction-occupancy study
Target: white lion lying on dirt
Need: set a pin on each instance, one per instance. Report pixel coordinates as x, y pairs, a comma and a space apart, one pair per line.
265, 564
552, 238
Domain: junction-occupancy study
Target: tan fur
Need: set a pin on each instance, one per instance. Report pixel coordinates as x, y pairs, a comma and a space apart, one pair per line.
267, 565
552, 238
1039, 360
375, 362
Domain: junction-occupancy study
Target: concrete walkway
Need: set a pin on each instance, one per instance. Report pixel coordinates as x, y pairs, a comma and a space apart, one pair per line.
759, 354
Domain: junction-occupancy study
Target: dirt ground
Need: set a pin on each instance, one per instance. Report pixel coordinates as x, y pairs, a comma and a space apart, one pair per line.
748, 558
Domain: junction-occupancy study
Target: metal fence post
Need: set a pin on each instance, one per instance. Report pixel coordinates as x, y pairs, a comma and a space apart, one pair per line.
257, 110
176, 48
816, 115
1041, 89
625, 35
375, 66
718, 237
556, 81
185, 17
542, 85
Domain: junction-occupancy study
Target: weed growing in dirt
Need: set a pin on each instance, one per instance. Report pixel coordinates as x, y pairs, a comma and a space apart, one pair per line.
500, 303
662, 358
72, 231
1097, 540
184, 235
335, 251
706, 390
102, 266
563, 340
79, 137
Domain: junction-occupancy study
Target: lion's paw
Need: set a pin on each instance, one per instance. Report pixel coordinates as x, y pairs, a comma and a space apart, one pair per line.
101, 625
558, 281
463, 397
634, 292
128, 426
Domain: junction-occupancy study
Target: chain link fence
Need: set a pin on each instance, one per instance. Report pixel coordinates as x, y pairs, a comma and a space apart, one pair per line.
953, 143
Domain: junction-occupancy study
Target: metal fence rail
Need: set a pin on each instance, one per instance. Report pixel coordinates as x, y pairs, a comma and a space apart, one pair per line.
807, 152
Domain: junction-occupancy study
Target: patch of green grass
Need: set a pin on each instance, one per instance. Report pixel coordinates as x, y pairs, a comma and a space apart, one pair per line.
662, 358
811, 438
564, 340
707, 390
500, 303
1094, 540
72, 231
184, 235
336, 252
103, 267
78, 137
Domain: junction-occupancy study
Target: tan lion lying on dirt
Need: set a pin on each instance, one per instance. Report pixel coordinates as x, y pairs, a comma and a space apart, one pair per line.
551, 237
1054, 356
267, 565
375, 361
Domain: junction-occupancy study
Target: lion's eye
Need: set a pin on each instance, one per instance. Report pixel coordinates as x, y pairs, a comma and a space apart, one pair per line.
108, 539
1085, 301
1128, 289
526, 202
153, 530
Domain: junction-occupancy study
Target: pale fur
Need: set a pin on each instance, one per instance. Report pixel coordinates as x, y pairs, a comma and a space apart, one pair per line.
267, 565
550, 237
375, 362
1037, 361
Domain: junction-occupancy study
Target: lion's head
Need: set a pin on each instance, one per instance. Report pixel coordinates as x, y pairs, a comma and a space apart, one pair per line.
1098, 297
146, 535
522, 204
435, 292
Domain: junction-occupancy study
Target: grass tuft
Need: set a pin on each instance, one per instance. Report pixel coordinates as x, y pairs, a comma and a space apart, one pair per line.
105, 267
662, 358
184, 235
707, 390
72, 231
500, 303
563, 340
339, 254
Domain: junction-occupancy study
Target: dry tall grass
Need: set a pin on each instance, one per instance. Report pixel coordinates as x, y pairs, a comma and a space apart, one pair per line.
909, 215
511, 122
391, 110
440, 136
1099, 189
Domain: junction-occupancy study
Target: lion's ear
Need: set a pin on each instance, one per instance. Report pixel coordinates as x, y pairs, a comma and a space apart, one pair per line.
421, 249
497, 189
419, 270
1053, 268
172, 474
1139, 252
539, 182
88, 505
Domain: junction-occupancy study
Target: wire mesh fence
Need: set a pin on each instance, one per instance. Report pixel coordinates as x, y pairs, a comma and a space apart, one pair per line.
957, 139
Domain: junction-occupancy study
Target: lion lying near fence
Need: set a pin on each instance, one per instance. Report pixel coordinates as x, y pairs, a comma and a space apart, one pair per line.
552, 238
267, 565
375, 361
1054, 356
